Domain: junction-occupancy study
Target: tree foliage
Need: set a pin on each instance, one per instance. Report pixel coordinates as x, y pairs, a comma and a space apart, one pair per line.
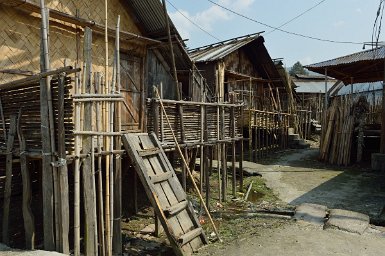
298, 69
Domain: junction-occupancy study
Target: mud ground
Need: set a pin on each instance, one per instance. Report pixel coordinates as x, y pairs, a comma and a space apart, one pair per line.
297, 177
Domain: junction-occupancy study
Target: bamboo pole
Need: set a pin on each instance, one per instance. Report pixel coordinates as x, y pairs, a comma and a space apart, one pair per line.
47, 170
117, 241
107, 138
102, 244
188, 170
77, 174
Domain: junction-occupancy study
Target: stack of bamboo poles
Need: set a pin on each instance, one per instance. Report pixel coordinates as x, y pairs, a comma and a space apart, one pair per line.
337, 135
97, 135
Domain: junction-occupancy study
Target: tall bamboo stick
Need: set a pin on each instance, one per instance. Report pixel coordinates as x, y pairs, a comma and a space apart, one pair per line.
47, 174
107, 138
99, 170
77, 173
117, 237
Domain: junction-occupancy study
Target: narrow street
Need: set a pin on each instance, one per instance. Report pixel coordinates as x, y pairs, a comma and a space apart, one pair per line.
298, 177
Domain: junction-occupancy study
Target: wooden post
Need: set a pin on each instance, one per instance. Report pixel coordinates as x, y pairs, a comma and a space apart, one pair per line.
8, 178
47, 170
241, 153
234, 158
183, 138
63, 171
249, 124
87, 172
255, 153
29, 223
223, 155
207, 169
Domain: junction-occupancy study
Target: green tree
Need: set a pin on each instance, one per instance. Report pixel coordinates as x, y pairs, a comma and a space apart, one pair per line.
298, 69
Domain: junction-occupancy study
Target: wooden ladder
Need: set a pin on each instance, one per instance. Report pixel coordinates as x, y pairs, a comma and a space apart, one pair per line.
165, 192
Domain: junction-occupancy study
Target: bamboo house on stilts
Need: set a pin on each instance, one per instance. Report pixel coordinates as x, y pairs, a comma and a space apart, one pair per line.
76, 80
240, 70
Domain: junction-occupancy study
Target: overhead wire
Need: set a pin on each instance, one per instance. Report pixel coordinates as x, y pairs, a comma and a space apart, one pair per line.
194, 23
281, 30
298, 16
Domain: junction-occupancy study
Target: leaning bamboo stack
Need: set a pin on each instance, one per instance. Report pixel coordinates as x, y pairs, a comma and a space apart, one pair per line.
337, 135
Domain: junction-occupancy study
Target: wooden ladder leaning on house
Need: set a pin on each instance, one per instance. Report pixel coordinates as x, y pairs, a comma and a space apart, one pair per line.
165, 192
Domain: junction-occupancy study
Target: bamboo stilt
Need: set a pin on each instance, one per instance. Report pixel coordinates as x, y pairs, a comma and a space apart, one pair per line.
47, 170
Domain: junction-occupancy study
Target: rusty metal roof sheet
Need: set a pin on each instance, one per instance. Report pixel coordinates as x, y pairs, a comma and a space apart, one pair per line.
365, 66
220, 50
368, 55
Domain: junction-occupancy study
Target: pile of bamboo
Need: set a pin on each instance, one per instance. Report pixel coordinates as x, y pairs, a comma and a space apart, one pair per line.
337, 132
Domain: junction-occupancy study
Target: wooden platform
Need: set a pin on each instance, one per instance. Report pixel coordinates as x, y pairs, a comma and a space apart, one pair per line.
165, 193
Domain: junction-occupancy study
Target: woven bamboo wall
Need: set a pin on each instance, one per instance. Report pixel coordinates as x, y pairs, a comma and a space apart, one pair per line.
20, 36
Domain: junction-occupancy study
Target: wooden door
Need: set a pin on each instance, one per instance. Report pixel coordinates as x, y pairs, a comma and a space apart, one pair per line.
131, 68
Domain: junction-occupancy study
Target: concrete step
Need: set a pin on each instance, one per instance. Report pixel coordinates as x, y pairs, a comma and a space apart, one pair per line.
294, 137
303, 144
291, 131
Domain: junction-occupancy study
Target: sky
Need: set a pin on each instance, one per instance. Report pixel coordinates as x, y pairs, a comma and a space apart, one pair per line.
338, 20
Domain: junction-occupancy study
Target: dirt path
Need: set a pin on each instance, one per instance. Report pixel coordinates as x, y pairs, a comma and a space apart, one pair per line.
294, 239
297, 177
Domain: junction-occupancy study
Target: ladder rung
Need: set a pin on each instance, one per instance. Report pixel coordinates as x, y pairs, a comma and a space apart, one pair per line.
175, 209
149, 152
185, 238
161, 177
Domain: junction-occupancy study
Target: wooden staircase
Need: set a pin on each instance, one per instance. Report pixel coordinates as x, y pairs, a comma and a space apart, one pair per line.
165, 193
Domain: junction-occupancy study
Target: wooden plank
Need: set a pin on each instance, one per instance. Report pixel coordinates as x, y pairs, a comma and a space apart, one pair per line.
184, 217
166, 195
160, 177
149, 152
131, 144
185, 238
175, 209
8, 179
165, 163
63, 172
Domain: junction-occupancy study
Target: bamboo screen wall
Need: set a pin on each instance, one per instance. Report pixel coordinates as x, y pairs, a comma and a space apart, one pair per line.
192, 119
20, 36
27, 100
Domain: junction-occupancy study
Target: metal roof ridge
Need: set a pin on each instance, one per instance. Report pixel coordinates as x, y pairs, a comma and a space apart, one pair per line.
228, 41
319, 64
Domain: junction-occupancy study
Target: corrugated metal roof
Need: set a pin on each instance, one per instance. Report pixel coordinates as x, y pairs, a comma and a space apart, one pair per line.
372, 54
312, 86
360, 88
220, 50
150, 15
